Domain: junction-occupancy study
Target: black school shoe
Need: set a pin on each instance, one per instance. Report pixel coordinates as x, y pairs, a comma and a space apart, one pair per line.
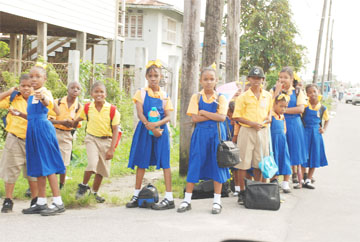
184, 208
82, 189
164, 204
98, 198
7, 206
241, 198
53, 211
35, 209
33, 201
216, 210
308, 185
133, 202
28, 193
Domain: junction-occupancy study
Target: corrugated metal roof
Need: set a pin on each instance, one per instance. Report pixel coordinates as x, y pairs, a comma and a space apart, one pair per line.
147, 2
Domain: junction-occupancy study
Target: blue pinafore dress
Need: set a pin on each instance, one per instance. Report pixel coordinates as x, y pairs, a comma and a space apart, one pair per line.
148, 150
43, 154
203, 147
295, 135
280, 146
314, 140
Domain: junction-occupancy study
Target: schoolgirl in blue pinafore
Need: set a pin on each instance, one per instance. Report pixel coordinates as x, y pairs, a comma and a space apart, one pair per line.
148, 150
43, 155
203, 147
314, 140
280, 146
295, 134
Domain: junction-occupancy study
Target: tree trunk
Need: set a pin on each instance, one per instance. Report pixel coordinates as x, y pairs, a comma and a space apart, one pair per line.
232, 40
190, 77
212, 33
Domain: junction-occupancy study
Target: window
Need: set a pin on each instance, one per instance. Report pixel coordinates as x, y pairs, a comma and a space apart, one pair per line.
134, 26
169, 30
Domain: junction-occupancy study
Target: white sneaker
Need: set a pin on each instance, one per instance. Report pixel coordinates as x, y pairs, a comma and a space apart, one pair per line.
285, 187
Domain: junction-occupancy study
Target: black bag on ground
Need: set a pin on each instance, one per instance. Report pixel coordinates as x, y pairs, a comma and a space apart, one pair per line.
148, 196
205, 189
259, 195
228, 154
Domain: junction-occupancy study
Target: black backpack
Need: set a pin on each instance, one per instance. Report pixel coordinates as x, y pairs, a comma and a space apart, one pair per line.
205, 189
148, 196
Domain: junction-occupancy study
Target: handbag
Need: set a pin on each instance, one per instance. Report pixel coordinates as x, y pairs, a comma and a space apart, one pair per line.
228, 154
267, 164
260, 195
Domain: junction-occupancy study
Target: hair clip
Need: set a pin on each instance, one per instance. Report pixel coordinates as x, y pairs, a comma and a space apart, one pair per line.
156, 63
282, 95
213, 65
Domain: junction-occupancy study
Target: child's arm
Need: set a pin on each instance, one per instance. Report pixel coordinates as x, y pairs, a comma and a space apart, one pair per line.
140, 113
212, 116
110, 153
323, 129
198, 118
67, 123
56, 109
7, 93
295, 110
252, 124
166, 119
76, 122
16, 112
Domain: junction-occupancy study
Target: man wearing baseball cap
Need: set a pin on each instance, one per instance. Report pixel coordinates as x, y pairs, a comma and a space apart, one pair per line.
253, 111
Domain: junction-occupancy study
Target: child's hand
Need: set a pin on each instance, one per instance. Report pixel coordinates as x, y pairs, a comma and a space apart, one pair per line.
256, 126
68, 123
109, 154
321, 130
234, 139
202, 112
151, 125
38, 95
278, 87
14, 112
157, 132
74, 124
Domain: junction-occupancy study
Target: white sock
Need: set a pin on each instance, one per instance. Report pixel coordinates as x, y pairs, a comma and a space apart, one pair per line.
308, 181
285, 185
41, 201
57, 200
217, 199
169, 196
237, 188
136, 192
187, 199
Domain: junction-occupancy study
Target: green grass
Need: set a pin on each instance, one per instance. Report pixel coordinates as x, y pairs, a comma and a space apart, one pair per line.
178, 183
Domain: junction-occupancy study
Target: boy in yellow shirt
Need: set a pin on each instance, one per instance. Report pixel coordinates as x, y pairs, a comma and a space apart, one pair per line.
69, 108
14, 156
253, 111
100, 140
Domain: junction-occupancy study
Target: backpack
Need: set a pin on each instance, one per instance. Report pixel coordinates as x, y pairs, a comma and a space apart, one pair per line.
321, 110
112, 115
12, 97
148, 196
205, 189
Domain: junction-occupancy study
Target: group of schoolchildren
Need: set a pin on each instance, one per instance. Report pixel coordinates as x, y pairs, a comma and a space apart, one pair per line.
40, 133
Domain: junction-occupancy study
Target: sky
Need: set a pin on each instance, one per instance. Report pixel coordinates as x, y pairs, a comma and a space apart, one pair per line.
346, 35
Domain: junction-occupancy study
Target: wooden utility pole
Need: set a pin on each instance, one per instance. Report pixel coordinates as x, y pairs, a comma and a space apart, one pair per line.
319, 43
190, 75
331, 52
232, 40
326, 50
212, 33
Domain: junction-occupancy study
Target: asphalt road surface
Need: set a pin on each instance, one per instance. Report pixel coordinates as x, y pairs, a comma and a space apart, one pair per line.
331, 212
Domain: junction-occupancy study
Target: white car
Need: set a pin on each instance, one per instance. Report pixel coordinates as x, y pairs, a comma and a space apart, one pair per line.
348, 95
356, 98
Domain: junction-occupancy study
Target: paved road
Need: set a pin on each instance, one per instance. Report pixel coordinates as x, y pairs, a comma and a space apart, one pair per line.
331, 212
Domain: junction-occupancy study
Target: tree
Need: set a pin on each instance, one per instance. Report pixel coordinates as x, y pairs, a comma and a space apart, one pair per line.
268, 34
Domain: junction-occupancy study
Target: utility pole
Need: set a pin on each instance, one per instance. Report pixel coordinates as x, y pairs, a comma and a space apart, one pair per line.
331, 52
319, 43
190, 75
326, 50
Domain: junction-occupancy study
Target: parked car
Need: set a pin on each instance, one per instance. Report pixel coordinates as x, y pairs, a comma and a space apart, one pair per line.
348, 96
356, 98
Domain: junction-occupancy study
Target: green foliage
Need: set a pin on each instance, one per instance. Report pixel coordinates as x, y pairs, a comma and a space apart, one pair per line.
268, 36
4, 49
271, 78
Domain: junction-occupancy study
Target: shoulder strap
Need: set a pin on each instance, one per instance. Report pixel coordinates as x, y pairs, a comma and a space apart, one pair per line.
112, 114
303, 115
321, 110
78, 107
13, 95
86, 110
59, 101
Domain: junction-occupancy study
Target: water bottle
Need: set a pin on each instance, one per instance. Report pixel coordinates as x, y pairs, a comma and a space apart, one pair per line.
153, 116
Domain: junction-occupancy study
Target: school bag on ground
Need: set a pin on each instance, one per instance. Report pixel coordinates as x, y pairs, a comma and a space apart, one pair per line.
148, 196
205, 189
112, 115
260, 195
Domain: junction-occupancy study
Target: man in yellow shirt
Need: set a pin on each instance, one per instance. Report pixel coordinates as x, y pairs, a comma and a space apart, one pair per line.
253, 111
14, 156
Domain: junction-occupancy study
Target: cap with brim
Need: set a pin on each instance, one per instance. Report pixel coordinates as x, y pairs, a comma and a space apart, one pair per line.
256, 71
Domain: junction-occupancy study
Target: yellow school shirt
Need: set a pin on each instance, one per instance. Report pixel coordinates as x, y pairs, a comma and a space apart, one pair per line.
99, 122
15, 124
193, 107
160, 94
247, 106
317, 108
67, 113
281, 117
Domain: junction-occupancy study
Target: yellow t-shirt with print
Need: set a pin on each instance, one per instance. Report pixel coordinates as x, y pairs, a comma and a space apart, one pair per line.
193, 107
160, 94
247, 106
99, 122
15, 124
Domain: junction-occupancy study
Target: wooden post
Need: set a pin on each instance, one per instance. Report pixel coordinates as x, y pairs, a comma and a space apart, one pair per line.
42, 40
74, 66
81, 44
331, 52
319, 43
326, 50
232, 40
19, 54
174, 65
13, 52
141, 57
111, 58
92, 80
212, 34
190, 75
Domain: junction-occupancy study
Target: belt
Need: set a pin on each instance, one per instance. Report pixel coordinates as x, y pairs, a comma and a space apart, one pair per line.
17, 137
100, 137
63, 130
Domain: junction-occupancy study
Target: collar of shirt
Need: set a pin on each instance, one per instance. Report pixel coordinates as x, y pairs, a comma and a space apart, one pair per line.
290, 91
92, 105
317, 107
251, 94
64, 101
276, 116
158, 94
211, 99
